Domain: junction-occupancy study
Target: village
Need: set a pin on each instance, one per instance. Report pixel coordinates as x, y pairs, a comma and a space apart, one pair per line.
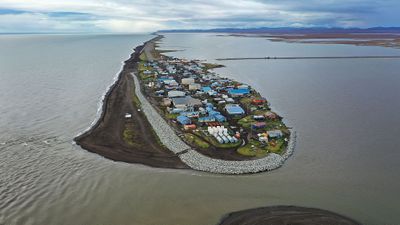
211, 113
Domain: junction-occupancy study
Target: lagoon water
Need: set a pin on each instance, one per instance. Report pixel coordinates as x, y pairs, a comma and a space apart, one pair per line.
344, 110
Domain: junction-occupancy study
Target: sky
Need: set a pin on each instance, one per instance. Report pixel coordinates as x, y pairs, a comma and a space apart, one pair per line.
143, 16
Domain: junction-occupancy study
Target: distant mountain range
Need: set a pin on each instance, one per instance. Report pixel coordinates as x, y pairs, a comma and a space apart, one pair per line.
288, 30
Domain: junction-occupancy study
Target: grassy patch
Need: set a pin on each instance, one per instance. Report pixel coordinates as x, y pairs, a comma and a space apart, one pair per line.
171, 116
245, 101
246, 122
278, 148
193, 139
128, 135
143, 57
209, 66
253, 148
142, 67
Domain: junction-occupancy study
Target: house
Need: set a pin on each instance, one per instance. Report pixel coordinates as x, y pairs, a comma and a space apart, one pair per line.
171, 69
206, 119
234, 109
175, 110
176, 94
263, 137
258, 101
271, 115
184, 120
206, 89
189, 127
167, 102
171, 82
187, 101
220, 118
212, 93
163, 79
275, 133
258, 117
194, 86
147, 72
258, 125
216, 115
238, 92
190, 114
230, 100
187, 81
243, 86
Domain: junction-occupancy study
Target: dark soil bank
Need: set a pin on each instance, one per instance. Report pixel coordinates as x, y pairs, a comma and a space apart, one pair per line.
286, 215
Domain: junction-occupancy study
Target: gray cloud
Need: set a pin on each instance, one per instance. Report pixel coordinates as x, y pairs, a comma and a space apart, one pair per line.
150, 15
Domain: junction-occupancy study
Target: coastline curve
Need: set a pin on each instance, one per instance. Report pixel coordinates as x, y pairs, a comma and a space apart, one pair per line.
200, 162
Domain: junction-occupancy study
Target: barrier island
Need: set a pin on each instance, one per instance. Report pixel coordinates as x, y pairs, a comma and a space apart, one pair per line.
177, 113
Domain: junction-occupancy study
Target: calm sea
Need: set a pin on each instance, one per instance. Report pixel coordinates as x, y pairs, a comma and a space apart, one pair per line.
346, 113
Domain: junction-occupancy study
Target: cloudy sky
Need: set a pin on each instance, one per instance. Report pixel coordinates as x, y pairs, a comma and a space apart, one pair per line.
140, 16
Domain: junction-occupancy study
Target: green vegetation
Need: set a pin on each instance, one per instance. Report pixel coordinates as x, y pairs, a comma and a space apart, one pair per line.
279, 146
143, 57
171, 116
246, 122
146, 77
257, 149
193, 139
209, 66
142, 67
128, 136
253, 148
245, 101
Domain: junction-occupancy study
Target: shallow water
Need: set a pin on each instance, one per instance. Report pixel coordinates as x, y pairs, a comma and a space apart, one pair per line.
345, 112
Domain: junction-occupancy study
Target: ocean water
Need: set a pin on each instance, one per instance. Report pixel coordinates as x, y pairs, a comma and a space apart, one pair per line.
345, 113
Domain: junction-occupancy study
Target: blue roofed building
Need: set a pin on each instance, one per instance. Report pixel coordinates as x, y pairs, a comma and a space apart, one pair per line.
238, 92
184, 120
206, 89
220, 118
206, 119
234, 109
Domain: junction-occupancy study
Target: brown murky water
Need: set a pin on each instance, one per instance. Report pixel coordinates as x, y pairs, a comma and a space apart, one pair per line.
345, 112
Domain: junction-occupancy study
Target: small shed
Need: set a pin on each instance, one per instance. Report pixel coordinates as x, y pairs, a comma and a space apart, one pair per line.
258, 101
166, 102
189, 127
184, 120
220, 118
206, 89
271, 115
258, 125
206, 119
275, 133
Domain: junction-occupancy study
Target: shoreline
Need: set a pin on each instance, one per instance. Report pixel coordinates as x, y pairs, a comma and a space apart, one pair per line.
194, 158
105, 139
157, 145
200, 162
387, 40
